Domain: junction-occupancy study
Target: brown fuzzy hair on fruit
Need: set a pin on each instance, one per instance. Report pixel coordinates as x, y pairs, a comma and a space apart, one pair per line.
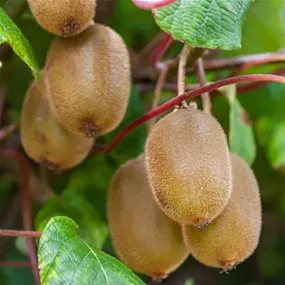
144, 237
64, 18
188, 164
234, 235
43, 139
89, 79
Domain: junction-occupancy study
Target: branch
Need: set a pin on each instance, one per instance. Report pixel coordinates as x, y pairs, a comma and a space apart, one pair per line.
14, 233
183, 57
7, 131
253, 85
188, 95
227, 63
206, 100
26, 208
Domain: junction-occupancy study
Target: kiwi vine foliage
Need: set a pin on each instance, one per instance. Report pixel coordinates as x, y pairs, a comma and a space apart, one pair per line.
263, 31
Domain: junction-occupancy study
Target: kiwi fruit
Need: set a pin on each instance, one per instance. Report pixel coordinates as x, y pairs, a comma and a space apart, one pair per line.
234, 235
189, 168
63, 17
44, 140
144, 237
89, 78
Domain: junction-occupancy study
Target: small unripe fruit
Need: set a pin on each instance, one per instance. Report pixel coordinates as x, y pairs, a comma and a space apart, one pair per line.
144, 237
63, 18
234, 235
89, 79
43, 139
188, 164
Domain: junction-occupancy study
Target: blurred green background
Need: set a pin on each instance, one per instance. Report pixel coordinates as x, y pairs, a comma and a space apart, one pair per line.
84, 188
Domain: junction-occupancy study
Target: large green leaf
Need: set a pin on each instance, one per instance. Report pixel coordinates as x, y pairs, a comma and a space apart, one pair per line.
205, 23
65, 258
74, 205
271, 135
10, 33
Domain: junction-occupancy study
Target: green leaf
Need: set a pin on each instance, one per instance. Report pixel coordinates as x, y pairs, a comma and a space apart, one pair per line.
241, 137
10, 33
65, 258
270, 133
74, 205
205, 23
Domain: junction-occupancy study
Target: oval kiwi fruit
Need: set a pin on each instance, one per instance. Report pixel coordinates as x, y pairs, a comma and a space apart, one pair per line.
144, 237
89, 79
188, 164
43, 139
63, 18
234, 235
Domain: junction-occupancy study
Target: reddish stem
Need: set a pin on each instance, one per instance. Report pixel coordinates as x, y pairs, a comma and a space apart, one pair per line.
253, 85
26, 208
14, 264
14, 233
188, 95
161, 50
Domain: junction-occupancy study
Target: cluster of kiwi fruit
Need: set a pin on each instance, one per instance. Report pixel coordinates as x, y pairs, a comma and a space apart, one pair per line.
187, 194
84, 88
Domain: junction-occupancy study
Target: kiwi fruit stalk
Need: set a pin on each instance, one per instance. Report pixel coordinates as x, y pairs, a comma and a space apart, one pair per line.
89, 78
64, 18
44, 140
188, 164
144, 237
234, 235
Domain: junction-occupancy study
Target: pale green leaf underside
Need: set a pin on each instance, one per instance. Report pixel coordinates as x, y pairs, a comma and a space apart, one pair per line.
11, 34
241, 137
205, 23
64, 258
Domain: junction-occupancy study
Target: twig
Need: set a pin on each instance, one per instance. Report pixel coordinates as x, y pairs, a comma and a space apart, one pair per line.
5, 132
14, 233
206, 100
181, 72
188, 95
227, 63
157, 92
26, 208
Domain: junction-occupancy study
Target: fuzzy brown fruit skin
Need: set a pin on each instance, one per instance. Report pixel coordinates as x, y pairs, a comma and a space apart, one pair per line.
144, 237
89, 79
188, 164
234, 235
43, 139
64, 18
